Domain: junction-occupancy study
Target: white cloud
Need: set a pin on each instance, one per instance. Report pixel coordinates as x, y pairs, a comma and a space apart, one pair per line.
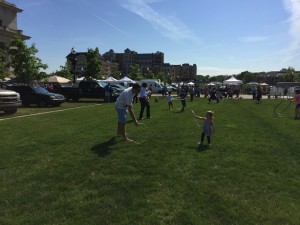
253, 39
170, 27
293, 7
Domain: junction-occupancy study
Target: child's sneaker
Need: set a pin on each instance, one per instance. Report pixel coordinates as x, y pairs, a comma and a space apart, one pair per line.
200, 143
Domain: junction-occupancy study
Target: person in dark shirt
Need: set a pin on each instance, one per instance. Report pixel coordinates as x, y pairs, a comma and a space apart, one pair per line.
182, 96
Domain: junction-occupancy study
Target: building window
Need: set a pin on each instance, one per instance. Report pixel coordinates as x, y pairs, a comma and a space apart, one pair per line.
0, 23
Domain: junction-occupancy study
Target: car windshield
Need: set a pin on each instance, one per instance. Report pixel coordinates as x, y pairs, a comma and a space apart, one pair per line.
101, 83
119, 86
40, 90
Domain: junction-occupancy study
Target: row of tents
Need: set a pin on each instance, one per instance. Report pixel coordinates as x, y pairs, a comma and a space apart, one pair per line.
59, 79
230, 81
234, 81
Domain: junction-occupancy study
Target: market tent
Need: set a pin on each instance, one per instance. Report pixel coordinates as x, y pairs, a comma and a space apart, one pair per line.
263, 84
214, 83
7, 78
190, 84
126, 80
80, 79
110, 79
57, 79
232, 81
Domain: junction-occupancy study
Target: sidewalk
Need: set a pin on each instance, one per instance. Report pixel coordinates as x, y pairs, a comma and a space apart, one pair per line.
251, 97
243, 96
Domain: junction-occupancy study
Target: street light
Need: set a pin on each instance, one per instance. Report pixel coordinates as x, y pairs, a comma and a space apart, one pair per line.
73, 60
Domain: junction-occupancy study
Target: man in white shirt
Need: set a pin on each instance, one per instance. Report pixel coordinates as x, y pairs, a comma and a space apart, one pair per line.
144, 102
124, 103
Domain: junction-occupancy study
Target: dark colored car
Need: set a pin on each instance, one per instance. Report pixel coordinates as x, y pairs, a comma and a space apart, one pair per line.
37, 95
95, 89
67, 90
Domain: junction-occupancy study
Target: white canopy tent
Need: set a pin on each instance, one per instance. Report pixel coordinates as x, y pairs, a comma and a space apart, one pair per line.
80, 79
232, 81
264, 84
110, 79
211, 84
126, 80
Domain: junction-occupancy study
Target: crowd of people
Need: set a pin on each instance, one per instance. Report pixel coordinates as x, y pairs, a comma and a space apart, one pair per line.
142, 93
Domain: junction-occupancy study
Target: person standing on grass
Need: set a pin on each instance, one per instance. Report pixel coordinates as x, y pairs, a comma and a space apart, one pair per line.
213, 95
170, 100
192, 93
124, 102
208, 127
297, 109
259, 93
108, 91
144, 102
182, 96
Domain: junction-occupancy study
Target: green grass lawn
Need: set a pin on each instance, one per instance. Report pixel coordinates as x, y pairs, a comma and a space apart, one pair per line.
68, 167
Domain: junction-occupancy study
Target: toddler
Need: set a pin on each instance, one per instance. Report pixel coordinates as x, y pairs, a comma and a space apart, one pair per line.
170, 98
208, 126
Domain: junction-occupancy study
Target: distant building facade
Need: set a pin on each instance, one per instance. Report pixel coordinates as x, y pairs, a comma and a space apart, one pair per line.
119, 65
150, 63
8, 25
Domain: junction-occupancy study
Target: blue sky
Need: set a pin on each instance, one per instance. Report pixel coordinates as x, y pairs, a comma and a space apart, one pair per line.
222, 37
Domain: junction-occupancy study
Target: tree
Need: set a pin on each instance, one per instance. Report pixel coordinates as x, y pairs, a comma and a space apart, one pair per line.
289, 74
64, 72
115, 72
93, 64
24, 62
247, 77
161, 76
3, 65
135, 73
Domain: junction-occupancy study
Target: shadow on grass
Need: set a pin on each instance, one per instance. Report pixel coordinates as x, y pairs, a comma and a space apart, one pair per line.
202, 148
179, 110
104, 149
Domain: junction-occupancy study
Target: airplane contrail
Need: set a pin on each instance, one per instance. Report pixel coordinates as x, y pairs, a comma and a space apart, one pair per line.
113, 26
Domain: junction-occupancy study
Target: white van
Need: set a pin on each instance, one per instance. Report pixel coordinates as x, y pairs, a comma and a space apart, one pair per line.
156, 86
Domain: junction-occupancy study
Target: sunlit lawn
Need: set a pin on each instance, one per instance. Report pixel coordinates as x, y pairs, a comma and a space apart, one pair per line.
68, 167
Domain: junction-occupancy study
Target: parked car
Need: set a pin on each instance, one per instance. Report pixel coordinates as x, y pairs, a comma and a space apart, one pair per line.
67, 90
118, 87
171, 88
156, 87
9, 101
95, 89
37, 95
